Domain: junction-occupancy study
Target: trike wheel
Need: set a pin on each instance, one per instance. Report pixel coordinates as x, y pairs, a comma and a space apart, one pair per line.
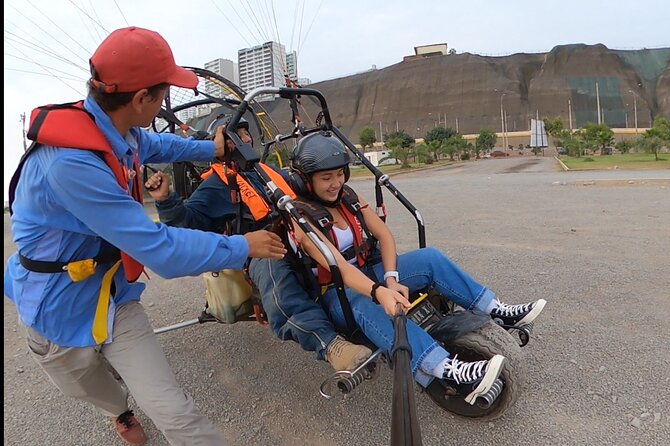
479, 344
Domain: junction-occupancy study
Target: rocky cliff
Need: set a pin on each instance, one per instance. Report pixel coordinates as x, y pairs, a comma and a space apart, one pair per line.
468, 91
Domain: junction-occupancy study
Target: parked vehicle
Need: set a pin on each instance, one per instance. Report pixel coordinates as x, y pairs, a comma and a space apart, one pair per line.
499, 154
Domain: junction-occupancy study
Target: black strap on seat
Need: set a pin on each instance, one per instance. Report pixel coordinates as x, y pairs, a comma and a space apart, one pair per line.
349, 253
41, 266
13, 183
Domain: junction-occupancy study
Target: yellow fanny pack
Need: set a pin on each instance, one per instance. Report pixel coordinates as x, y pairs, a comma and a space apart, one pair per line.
81, 269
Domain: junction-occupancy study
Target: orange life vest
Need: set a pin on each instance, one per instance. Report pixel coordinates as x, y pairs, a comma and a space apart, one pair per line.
256, 204
46, 128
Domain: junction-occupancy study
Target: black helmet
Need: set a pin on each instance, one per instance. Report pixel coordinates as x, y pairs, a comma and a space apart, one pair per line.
224, 119
315, 153
318, 152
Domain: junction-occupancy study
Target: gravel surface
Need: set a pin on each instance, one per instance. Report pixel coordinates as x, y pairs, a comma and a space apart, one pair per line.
597, 250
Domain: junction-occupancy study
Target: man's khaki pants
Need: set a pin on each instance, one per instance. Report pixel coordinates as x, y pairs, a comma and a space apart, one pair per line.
135, 354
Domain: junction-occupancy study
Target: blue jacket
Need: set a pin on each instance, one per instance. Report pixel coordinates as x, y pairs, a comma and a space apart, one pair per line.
68, 202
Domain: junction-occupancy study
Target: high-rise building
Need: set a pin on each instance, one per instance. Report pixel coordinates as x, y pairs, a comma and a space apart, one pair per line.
263, 66
223, 67
186, 114
292, 65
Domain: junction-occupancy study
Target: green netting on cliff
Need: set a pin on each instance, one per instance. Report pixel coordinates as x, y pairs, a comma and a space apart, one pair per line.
584, 100
649, 64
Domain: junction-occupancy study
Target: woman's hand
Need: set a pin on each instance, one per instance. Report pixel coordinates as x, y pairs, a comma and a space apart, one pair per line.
399, 287
158, 186
388, 298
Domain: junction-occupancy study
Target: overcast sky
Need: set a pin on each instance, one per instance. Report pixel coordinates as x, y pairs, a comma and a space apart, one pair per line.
49, 38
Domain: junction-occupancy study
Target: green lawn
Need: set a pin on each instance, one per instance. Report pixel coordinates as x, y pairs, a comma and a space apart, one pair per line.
619, 161
358, 172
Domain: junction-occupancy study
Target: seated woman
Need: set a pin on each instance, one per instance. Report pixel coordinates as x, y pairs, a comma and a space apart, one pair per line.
320, 169
289, 309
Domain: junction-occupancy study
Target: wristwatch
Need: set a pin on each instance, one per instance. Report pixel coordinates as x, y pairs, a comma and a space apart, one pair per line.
393, 274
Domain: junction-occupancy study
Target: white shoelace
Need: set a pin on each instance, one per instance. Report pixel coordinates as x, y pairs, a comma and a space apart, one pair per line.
511, 310
461, 371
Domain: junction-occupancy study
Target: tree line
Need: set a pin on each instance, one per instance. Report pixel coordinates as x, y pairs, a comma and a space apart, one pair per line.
442, 142
437, 143
599, 137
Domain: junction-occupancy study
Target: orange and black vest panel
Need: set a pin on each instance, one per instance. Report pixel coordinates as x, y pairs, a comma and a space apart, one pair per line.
253, 200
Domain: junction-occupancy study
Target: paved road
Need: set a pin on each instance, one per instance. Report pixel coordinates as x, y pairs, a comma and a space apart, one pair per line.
596, 245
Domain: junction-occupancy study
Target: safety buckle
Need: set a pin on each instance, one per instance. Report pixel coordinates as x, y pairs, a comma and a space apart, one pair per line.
356, 206
324, 222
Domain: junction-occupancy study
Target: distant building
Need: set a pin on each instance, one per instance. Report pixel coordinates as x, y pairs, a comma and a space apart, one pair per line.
292, 65
225, 68
377, 156
303, 81
436, 49
204, 109
264, 66
160, 124
186, 114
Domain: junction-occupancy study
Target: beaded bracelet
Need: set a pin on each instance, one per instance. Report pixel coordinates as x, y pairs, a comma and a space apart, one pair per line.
373, 291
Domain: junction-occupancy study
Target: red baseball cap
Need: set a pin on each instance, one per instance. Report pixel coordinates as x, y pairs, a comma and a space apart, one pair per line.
133, 58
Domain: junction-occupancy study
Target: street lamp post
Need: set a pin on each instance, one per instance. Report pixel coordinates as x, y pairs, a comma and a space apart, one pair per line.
23, 123
506, 138
634, 108
600, 121
502, 121
570, 114
381, 134
626, 114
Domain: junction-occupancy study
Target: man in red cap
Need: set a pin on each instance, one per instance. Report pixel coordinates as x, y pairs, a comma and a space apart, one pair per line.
130, 59
83, 238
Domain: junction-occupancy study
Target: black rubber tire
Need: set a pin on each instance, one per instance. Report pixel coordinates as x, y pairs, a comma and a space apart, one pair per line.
484, 343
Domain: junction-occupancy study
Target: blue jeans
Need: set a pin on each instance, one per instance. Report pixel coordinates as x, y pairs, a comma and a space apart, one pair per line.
418, 270
292, 314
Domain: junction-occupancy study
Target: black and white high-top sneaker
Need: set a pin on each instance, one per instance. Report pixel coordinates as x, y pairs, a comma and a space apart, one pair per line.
473, 379
517, 315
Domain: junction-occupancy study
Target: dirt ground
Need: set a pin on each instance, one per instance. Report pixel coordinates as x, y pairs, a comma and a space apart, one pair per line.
596, 365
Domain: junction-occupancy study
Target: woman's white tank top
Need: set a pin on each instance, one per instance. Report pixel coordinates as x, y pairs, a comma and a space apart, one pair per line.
345, 240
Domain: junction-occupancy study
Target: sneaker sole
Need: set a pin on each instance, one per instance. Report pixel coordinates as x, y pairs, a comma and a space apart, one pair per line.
493, 369
535, 312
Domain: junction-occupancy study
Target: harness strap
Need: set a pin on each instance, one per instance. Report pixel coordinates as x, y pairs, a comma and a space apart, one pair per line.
13, 183
235, 196
351, 203
99, 328
41, 266
350, 253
